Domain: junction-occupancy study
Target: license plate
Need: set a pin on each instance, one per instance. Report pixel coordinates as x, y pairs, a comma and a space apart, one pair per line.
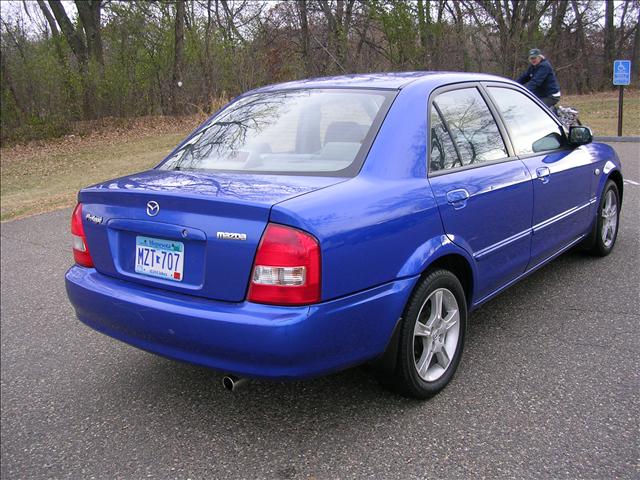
159, 258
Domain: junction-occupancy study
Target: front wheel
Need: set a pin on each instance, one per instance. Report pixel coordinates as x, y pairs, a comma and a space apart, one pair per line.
607, 221
431, 337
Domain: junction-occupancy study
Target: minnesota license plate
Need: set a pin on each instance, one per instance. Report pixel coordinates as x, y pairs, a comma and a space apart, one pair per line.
159, 258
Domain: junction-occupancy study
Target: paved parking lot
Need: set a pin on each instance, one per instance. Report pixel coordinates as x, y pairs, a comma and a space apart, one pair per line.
548, 386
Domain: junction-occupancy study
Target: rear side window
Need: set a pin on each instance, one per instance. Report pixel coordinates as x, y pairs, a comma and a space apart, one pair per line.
531, 128
309, 131
466, 117
443, 152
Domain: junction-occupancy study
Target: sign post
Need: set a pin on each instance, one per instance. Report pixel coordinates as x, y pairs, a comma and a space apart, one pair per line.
621, 77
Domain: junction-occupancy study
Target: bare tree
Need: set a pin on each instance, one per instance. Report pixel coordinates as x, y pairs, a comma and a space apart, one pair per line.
584, 76
609, 43
558, 14
74, 35
455, 10
338, 16
178, 56
85, 42
301, 7
514, 22
635, 55
7, 82
89, 13
424, 23
130, 62
50, 20
55, 33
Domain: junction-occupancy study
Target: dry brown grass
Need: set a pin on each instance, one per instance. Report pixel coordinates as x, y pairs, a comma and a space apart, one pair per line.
600, 111
45, 175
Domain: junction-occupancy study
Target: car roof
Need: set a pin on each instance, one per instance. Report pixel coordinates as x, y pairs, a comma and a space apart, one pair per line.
385, 80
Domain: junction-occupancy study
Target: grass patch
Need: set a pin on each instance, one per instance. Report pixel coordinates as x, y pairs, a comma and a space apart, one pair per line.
600, 111
42, 176
51, 179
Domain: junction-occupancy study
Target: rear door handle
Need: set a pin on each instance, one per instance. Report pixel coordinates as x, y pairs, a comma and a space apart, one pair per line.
543, 174
458, 198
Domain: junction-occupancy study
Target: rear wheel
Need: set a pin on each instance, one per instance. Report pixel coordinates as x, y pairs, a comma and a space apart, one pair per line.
607, 220
431, 337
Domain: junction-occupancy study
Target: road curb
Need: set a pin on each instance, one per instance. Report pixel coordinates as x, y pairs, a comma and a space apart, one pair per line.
616, 139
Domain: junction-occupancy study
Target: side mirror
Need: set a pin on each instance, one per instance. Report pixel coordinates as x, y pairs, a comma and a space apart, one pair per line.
580, 136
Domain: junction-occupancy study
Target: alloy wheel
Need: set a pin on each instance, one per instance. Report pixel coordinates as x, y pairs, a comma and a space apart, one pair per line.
609, 218
435, 335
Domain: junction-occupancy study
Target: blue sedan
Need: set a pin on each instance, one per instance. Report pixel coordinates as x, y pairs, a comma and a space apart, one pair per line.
316, 225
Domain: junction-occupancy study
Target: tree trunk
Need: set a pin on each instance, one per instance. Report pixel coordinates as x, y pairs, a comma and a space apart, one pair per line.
558, 13
7, 80
333, 32
424, 19
635, 54
622, 36
76, 40
50, 20
55, 33
178, 58
57, 39
304, 32
74, 36
609, 44
89, 13
338, 25
231, 25
584, 80
459, 22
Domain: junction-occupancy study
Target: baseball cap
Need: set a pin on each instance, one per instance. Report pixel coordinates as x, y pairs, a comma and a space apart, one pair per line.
534, 52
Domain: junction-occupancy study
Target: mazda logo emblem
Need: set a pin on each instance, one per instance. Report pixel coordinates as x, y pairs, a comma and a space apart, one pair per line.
153, 208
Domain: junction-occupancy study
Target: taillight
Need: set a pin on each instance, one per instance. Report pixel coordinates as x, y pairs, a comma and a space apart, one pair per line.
80, 250
287, 268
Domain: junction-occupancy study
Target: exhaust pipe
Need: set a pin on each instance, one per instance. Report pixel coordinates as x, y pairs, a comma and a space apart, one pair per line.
231, 383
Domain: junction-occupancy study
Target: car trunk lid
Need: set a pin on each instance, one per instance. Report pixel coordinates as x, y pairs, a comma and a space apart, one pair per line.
214, 222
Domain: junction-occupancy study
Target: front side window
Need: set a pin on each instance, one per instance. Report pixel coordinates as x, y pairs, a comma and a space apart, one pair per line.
467, 118
298, 131
532, 130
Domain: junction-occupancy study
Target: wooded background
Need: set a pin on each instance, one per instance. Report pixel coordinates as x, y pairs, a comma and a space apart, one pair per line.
63, 62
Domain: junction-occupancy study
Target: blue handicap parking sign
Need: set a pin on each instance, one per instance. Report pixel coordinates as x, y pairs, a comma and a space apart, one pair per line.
622, 72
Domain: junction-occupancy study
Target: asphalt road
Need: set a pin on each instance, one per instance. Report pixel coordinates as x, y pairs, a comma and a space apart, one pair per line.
548, 387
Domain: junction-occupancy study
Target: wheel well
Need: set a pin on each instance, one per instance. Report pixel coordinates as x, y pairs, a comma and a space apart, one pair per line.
459, 266
616, 176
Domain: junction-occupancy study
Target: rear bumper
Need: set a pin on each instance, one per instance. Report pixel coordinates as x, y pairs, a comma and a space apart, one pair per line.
246, 339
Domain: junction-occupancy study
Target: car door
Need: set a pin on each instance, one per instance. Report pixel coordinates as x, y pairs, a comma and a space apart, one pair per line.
561, 176
484, 195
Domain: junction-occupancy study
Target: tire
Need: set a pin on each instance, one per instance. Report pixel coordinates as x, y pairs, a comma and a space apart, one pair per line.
607, 221
430, 347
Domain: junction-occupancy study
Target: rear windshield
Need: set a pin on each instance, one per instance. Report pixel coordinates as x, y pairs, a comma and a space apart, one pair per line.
325, 132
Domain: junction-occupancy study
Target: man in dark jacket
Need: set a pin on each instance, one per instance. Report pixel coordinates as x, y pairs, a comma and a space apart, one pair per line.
540, 79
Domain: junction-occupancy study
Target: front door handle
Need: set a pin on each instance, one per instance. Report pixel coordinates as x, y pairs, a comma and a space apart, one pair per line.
543, 174
458, 198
